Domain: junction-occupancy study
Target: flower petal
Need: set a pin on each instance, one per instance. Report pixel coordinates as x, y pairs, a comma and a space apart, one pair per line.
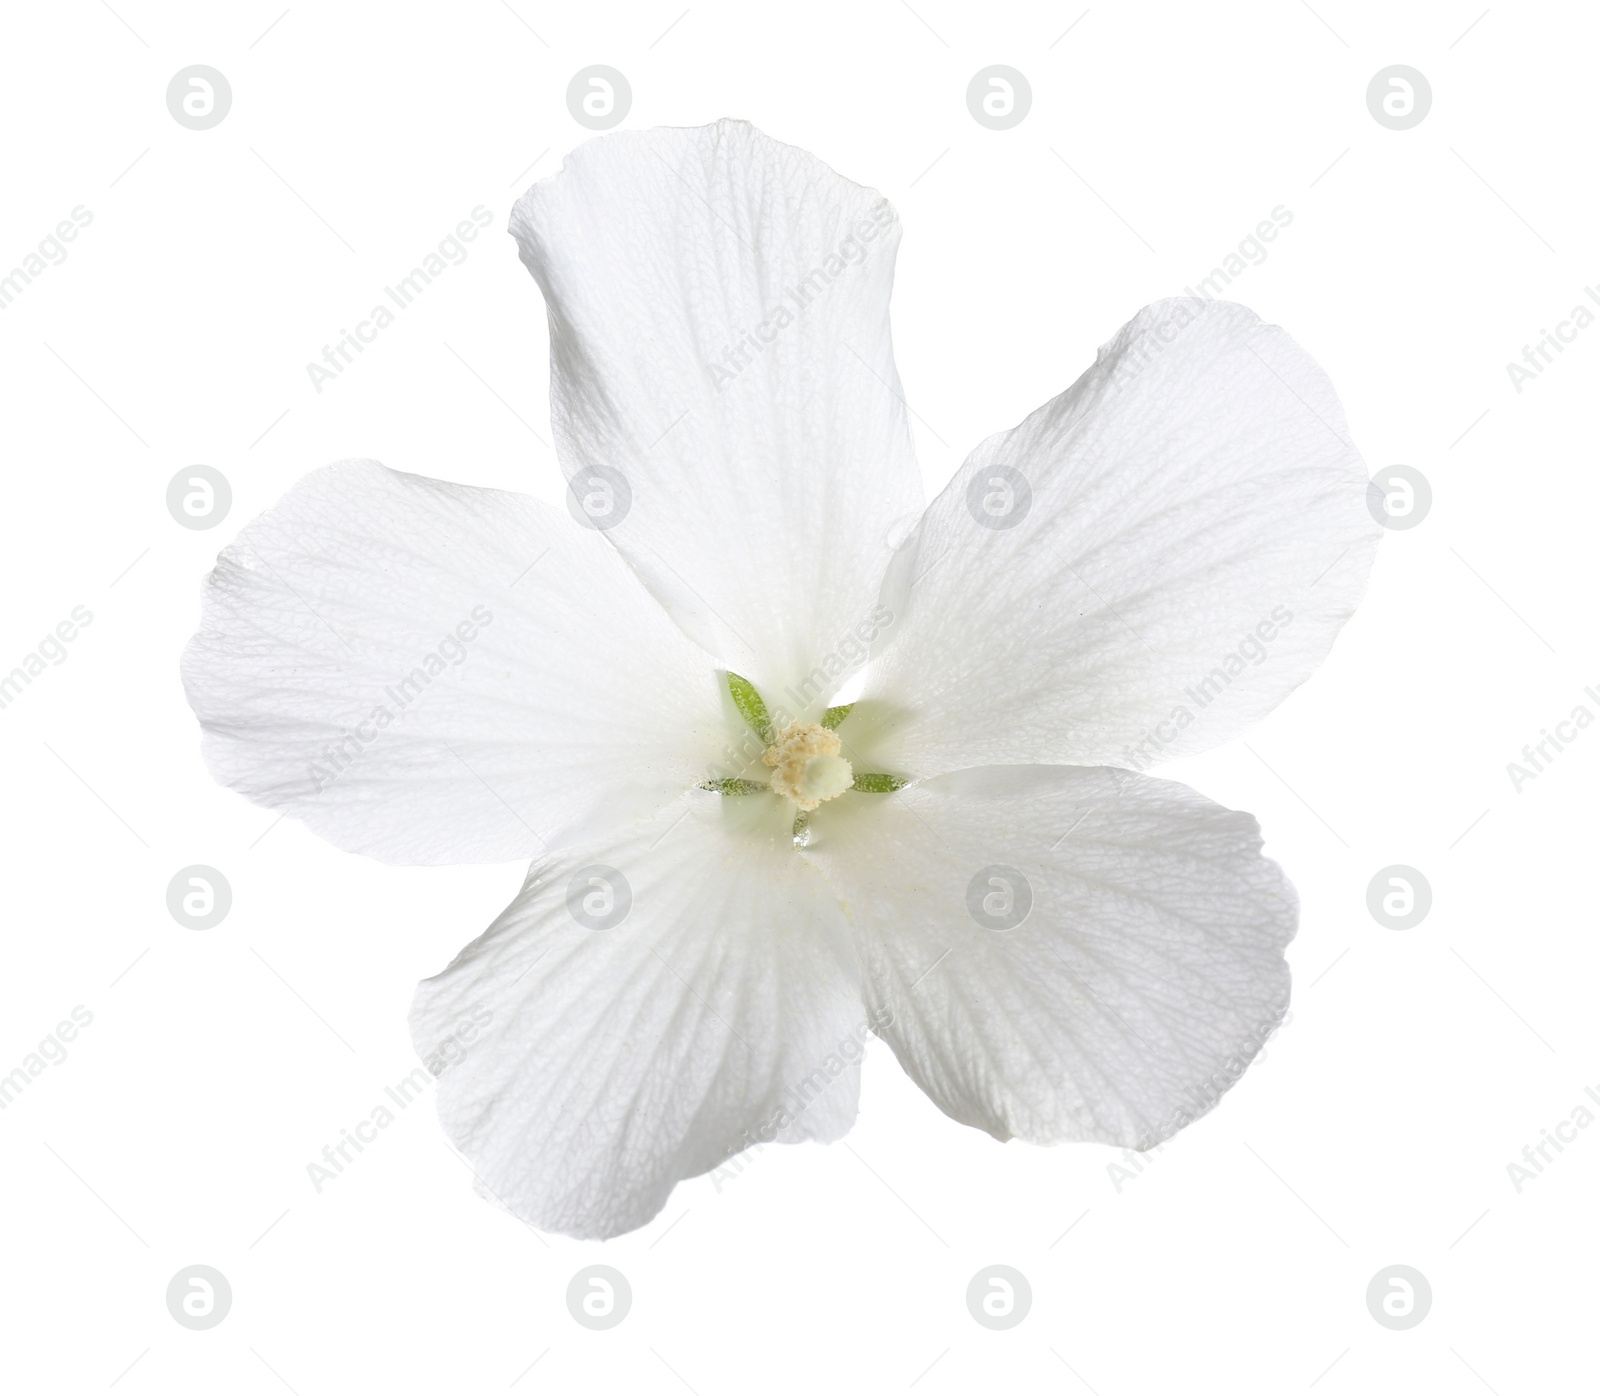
1063, 952
719, 336
431, 673
1142, 569
622, 1056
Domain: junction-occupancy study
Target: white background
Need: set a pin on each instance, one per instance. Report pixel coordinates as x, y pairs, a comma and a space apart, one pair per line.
1416, 1065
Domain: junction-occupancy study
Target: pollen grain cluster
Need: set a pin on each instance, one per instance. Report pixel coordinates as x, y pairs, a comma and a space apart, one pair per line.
806, 765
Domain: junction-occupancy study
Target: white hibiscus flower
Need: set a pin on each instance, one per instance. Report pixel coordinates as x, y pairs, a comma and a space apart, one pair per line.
733, 884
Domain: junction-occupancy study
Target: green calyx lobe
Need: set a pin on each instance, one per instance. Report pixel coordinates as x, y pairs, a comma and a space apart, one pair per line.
877, 783
732, 785
751, 705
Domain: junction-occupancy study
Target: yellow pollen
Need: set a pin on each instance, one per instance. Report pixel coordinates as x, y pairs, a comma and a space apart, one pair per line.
806, 765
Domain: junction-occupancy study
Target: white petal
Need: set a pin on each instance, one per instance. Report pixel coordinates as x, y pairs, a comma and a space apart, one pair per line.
431, 673
1197, 532
719, 322
607, 1064
1144, 977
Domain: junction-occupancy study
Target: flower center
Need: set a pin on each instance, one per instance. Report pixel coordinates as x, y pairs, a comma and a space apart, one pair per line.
806, 765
